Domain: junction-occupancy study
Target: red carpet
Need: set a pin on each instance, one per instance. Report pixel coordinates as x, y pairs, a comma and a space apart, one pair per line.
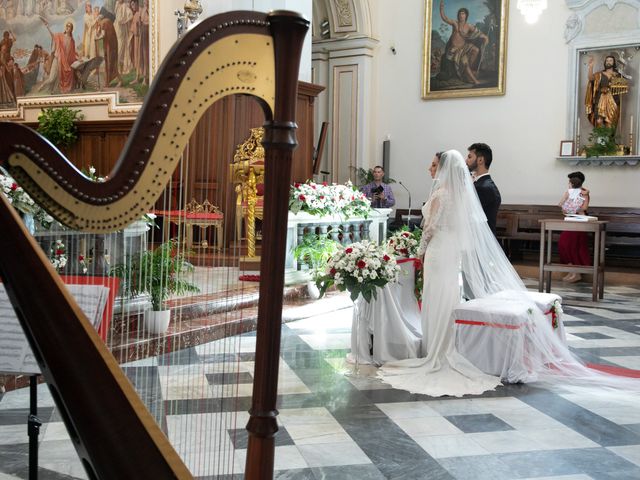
249, 278
611, 370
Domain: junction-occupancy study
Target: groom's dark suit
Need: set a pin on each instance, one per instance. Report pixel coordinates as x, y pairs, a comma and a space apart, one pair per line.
489, 198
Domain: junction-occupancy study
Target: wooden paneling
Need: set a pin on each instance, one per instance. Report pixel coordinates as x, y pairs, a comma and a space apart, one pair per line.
204, 172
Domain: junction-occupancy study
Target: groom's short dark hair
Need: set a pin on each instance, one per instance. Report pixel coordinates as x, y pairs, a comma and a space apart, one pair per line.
482, 150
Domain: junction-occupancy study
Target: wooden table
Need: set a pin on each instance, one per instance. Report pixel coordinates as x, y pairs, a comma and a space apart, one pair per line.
598, 228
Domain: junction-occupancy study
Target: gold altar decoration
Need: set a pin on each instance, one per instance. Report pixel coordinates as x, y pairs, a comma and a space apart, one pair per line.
247, 172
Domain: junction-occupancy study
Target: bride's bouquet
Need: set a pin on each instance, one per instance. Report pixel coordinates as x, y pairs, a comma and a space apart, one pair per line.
359, 268
403, 243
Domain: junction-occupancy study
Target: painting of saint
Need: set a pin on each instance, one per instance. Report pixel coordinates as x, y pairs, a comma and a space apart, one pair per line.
71, 47
465, 43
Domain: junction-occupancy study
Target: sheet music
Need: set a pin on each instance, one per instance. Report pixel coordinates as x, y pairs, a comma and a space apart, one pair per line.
15, 353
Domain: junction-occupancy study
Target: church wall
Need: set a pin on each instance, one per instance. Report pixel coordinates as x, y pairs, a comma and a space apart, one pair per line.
524, 127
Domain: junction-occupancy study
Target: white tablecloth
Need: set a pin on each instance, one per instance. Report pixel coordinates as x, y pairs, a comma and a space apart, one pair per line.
389, 327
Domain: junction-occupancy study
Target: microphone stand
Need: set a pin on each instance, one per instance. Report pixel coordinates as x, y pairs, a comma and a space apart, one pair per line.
409, 214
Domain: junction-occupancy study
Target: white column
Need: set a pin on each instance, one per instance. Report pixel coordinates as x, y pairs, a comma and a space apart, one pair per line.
347, 103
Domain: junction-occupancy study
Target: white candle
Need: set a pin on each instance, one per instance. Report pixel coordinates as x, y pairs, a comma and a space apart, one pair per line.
578, 127
631, 125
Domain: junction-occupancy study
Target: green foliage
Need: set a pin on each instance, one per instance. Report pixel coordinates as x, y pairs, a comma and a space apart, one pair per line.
355, 288
366, 176
156, 272
58, 125
315, 251
603, 142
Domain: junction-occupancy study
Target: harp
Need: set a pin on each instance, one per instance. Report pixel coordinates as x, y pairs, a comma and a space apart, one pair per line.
233, 53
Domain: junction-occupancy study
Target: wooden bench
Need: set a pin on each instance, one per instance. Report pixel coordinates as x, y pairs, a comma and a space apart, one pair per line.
518, 222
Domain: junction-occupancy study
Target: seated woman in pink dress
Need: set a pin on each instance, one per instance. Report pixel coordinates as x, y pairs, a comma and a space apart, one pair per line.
573, 246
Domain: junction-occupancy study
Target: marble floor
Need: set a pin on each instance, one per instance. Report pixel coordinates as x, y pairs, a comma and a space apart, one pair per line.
339, 424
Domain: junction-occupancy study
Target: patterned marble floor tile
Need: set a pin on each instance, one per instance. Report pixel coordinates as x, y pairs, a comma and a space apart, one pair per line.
629, 361
332, 454
629, 452
579, 476
348, 472
506, 442
445, 446
328, 341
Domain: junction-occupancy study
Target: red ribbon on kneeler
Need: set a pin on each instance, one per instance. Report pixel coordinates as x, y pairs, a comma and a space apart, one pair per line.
488, 324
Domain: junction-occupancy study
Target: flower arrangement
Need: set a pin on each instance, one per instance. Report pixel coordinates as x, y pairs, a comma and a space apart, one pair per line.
556, 311
603, 142
21, 200
91, 173
359, 268
324, 199
403, 243
58, 255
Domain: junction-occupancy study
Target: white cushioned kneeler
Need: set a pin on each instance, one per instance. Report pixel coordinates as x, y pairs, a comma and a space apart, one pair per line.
490, 334
546, 303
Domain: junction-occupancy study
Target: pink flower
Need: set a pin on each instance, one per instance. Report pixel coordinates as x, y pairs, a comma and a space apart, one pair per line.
386, 258
348, 250
301, 198
361, 264
14, 186
296, 185
324, 184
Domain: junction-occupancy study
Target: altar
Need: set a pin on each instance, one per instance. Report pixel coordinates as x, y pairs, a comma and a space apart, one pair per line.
341, 228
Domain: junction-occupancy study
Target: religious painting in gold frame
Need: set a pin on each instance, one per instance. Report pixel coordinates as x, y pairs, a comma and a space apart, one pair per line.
74, 54
465, 48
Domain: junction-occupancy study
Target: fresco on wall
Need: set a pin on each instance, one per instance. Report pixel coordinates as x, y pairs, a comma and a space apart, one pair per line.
69, 47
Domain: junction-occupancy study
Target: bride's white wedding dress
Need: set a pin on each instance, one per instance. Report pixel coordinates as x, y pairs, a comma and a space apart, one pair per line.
462, 257
444, 371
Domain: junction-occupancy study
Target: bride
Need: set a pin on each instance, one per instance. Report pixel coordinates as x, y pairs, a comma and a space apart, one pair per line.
463, 259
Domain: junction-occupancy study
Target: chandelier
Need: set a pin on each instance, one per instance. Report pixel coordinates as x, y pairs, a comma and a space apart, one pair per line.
531, 9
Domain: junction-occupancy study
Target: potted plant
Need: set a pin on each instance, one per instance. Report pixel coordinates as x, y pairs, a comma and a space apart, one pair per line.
159, 273
58, 125
315, 251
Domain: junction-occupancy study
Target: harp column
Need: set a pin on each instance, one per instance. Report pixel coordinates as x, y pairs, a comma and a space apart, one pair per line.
345, 66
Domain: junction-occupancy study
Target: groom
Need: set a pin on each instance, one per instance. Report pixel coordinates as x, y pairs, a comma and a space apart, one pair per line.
479, 160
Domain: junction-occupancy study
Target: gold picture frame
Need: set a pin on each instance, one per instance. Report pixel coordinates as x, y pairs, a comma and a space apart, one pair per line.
476, 65
110, 101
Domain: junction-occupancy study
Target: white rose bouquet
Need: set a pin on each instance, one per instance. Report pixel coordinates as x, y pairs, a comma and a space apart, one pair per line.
359, 268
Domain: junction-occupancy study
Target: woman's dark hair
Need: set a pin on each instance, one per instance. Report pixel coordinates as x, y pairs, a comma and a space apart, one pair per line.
439, 154
576, 179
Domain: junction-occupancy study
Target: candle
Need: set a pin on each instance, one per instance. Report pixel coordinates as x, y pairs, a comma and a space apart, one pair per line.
631, 125
578, 127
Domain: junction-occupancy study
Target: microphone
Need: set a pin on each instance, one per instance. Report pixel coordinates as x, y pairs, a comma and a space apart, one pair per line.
409, 215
